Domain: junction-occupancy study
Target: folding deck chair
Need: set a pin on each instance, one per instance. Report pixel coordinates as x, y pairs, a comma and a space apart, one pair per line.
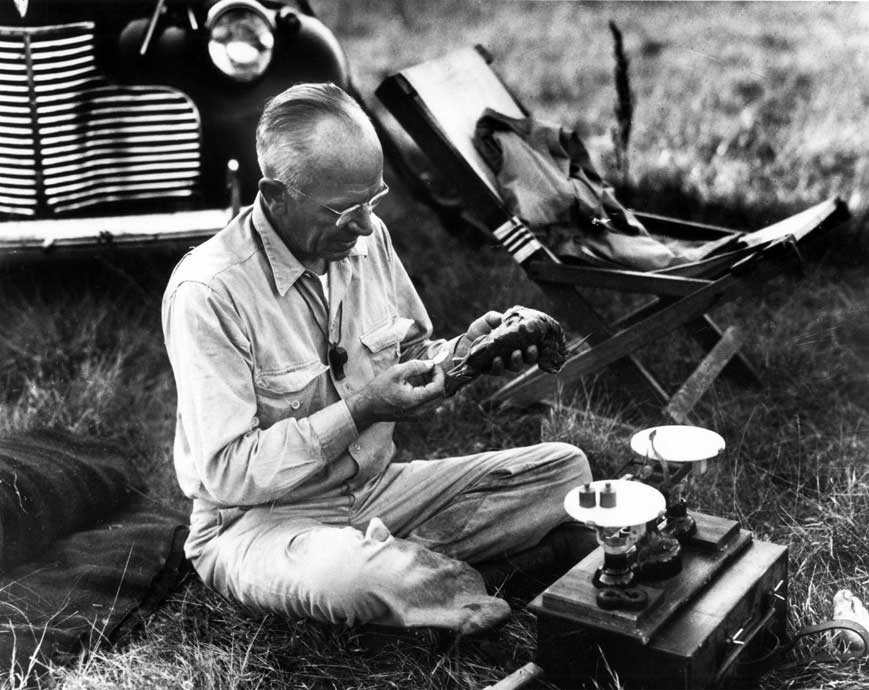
439, 102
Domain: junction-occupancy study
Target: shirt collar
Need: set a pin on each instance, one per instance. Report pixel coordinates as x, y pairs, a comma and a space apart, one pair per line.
286, 268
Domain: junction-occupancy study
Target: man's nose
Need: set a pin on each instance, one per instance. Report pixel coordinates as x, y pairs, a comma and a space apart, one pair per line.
362, 223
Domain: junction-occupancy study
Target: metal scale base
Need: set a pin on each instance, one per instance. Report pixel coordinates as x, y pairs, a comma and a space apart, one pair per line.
730, 586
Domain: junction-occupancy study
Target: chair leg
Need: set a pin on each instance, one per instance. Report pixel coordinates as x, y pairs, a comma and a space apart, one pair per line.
608, 350
683, 400
570, 307
648, 394
707, 333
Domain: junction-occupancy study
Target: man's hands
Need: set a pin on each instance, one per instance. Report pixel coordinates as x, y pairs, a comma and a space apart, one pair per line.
517, 360
404, 390
410, 389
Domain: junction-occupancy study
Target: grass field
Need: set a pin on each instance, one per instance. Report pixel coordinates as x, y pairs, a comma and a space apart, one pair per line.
744, 113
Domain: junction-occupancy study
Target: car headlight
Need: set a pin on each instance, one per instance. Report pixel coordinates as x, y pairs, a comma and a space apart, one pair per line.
241, 38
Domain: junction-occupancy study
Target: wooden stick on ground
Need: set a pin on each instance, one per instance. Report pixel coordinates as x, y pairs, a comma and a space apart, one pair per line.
519, 678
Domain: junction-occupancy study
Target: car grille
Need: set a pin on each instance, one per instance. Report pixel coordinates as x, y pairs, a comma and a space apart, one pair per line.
70, 140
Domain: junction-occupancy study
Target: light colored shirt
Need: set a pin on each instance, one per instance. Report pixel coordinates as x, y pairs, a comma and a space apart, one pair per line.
324, 281
261, 418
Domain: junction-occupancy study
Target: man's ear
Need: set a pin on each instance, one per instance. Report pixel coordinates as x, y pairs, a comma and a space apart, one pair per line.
274, 194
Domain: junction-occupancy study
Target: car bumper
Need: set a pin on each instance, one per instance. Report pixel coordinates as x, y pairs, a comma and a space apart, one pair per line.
38, 238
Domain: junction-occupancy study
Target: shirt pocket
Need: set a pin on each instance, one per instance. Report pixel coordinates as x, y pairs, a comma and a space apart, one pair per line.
383, 341
287, 392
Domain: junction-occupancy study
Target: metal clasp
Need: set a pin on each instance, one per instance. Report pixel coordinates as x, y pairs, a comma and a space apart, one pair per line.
734, 638
775, 592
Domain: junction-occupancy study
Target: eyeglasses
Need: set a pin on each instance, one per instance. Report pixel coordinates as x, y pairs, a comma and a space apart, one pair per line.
348, 213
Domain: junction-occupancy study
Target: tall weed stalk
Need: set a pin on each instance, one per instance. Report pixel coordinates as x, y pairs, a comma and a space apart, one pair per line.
624, 108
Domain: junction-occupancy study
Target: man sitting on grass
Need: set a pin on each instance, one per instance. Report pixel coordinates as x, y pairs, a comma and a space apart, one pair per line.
297, 340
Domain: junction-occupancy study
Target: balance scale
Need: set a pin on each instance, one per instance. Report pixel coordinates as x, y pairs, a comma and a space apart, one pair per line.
672, 597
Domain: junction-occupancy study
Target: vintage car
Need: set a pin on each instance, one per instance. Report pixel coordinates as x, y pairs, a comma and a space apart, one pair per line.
130, 123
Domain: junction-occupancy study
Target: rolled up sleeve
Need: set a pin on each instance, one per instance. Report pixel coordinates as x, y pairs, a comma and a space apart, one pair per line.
220, 449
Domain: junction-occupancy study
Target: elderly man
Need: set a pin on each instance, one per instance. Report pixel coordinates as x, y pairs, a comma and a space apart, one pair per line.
297, 340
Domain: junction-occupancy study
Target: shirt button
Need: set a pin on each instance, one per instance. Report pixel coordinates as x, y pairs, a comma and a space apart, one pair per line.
295, 404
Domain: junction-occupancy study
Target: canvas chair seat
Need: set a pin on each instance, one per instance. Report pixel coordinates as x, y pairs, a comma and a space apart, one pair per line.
545, 177
440, 102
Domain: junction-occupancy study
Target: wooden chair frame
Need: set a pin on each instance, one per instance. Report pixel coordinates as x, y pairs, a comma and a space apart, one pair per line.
682, 296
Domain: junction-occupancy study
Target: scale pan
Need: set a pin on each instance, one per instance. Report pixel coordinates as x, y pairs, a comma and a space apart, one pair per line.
677, 443
636, 504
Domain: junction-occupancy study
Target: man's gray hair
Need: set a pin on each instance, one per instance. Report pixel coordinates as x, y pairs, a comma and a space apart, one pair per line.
285, 133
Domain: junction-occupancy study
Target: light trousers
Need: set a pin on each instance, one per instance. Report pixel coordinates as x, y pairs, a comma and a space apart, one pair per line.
399, 554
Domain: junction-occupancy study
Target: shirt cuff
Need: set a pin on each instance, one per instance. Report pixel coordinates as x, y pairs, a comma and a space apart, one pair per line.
335, 428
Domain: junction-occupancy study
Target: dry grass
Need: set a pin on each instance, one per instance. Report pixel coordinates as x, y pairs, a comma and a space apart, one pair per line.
743, 113
198, 640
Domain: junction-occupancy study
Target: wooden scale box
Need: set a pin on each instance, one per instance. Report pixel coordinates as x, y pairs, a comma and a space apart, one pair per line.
671, 598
